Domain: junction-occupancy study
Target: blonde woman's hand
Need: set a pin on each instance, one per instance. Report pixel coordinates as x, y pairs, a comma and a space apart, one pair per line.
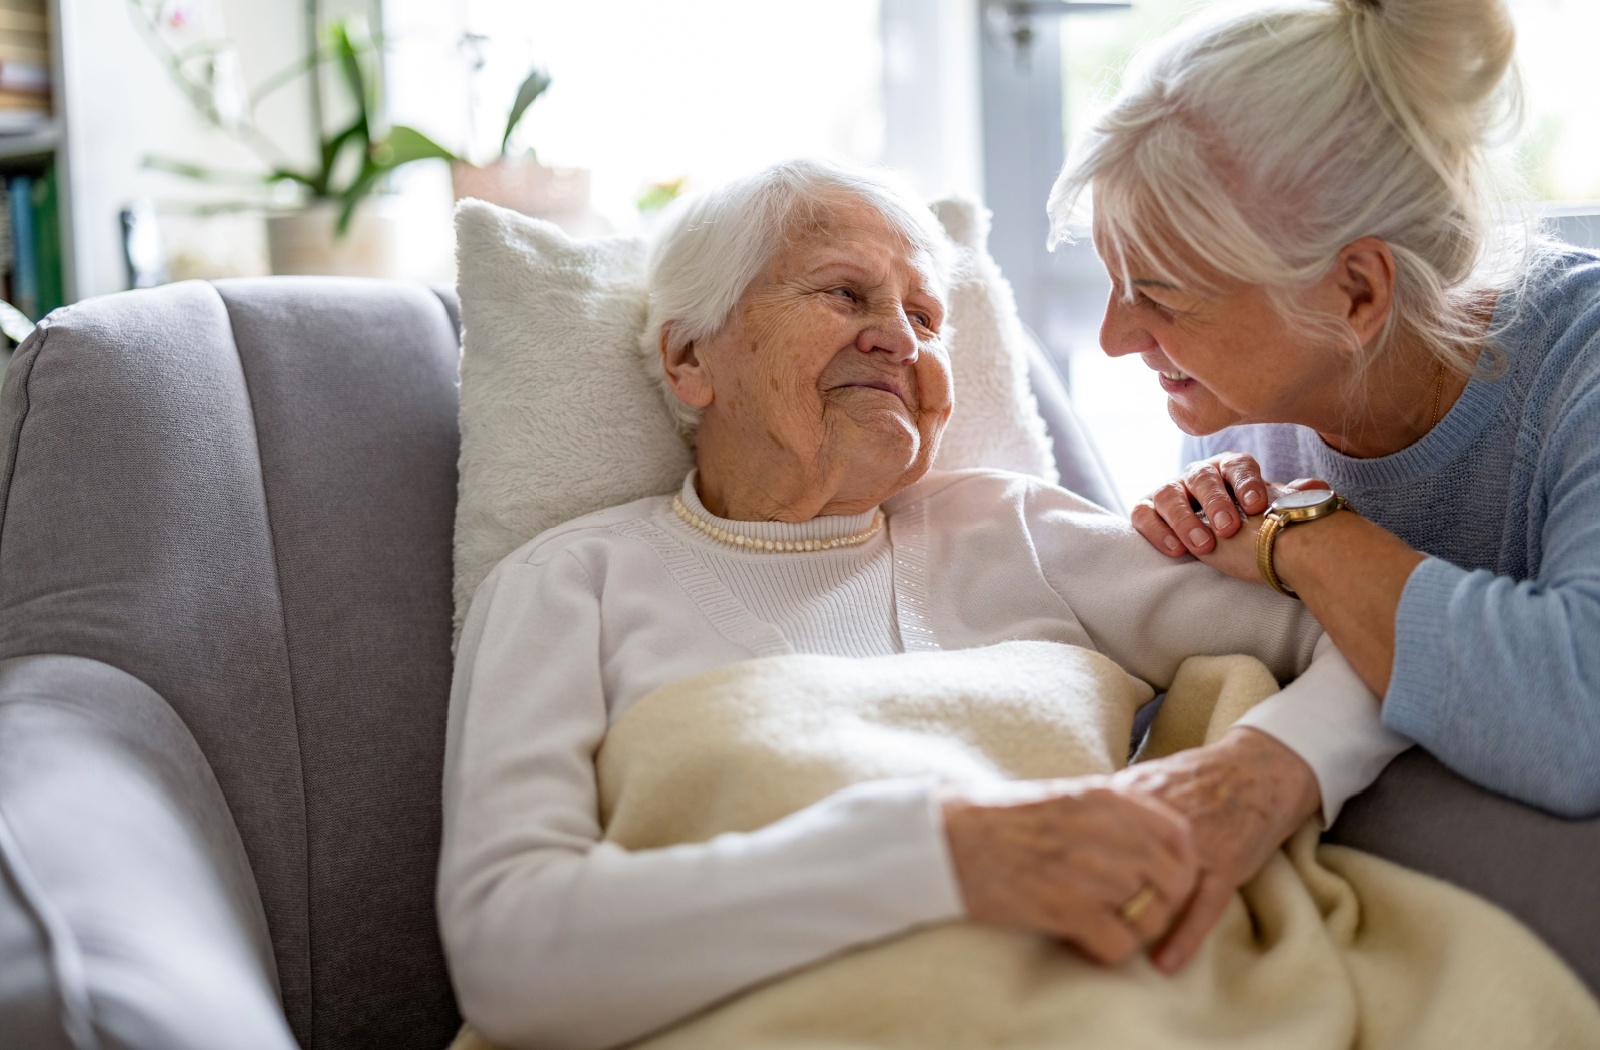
1066, 857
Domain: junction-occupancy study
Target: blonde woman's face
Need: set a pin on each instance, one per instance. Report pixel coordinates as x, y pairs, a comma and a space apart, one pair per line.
1226, 357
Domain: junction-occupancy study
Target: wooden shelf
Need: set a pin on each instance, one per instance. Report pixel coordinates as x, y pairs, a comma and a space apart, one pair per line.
41, 143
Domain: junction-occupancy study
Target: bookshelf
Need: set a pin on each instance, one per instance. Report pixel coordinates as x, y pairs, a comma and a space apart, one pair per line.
35, 252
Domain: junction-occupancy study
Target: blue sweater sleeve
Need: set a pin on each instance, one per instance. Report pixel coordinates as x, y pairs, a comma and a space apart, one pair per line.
1500, 678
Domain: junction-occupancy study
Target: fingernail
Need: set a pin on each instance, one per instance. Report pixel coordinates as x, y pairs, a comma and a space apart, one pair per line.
1224, 519
1198, 536
1254, 498
1173, 545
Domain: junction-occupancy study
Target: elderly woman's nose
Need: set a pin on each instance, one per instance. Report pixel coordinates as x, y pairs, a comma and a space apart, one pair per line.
892, 334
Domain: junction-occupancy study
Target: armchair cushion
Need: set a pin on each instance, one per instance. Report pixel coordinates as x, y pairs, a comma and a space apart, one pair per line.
241, 494
127, 906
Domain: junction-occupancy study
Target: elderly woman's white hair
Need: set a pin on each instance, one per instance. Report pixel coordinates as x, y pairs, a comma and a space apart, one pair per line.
720, 241
1256, 146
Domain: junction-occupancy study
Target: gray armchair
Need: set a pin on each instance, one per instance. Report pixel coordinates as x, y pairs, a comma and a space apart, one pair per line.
225, 526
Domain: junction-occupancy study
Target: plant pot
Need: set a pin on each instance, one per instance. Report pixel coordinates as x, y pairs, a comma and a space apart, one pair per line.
303, 241
559, 195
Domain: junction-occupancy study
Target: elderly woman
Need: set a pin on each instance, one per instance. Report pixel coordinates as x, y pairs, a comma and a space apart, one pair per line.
1298, 211
798, 316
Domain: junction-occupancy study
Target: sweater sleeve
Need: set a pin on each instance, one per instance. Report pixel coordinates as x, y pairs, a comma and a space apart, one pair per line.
558, 939
1500, 678
1148, 613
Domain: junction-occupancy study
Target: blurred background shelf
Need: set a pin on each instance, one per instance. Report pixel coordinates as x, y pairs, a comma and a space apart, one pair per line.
36, 251
30, 145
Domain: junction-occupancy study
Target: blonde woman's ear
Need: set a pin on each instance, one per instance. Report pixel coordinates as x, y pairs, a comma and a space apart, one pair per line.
1366, 275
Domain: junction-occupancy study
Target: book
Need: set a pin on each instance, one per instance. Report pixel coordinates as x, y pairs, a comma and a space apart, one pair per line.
6, 253
25, 53
24, 268
30, 77
14, 21
47, 242
23, 121
39, 41
23, 100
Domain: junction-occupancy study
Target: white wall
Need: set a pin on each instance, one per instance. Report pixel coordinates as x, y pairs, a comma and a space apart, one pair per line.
932, 109
120, 106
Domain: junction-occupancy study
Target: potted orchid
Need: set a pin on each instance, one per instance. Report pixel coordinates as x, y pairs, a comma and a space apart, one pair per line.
519, 181
338, 221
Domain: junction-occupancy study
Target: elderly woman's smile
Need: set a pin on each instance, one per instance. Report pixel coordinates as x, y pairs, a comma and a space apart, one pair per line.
828, 387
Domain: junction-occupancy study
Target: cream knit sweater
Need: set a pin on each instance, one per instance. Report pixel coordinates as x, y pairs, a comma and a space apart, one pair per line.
558, 939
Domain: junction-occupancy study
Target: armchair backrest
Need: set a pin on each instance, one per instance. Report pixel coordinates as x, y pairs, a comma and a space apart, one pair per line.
242, 494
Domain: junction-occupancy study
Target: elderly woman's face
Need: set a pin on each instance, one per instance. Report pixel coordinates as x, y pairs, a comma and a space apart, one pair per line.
828, 388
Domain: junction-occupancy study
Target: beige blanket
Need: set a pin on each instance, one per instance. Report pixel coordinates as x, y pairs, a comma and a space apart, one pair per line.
1327, 947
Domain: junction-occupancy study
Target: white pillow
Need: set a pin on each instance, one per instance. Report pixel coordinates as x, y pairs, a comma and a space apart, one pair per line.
561, 416
996, 422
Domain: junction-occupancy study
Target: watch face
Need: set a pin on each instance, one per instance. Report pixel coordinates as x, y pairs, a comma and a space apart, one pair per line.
1307, 500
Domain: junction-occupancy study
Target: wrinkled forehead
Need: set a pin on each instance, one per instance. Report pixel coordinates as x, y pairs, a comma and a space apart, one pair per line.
847, 229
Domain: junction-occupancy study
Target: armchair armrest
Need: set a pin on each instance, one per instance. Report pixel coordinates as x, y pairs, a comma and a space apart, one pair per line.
129, 916
1538, 867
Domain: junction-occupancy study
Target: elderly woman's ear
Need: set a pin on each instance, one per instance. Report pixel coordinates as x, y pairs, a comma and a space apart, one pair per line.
686, 373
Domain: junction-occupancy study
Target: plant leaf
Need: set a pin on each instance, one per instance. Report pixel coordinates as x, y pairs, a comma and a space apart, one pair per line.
14, 323
405, 144
294, 176
353, 195
356, 133
352, 63
532, 87
201, 173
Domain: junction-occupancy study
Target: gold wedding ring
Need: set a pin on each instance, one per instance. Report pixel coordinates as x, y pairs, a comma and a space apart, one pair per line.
1136, 905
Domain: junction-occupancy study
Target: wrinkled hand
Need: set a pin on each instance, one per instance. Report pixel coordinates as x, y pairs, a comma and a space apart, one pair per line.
1243, 796
1225, 488
1062, 856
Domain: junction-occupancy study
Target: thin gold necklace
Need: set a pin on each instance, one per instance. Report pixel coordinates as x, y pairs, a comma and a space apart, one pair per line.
1438, 395
756, 543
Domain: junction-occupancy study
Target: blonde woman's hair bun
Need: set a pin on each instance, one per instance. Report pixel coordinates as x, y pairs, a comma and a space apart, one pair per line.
1255, 145
1443, 68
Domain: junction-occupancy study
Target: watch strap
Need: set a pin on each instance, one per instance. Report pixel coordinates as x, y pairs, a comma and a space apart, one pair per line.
1267, 539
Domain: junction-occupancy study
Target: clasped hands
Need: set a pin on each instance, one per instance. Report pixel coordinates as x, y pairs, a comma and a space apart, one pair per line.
1148, 857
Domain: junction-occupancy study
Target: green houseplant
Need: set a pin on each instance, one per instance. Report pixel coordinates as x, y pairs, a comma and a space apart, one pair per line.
335, 224
519, 181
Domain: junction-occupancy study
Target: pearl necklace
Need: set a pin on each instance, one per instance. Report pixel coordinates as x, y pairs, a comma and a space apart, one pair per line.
737, 539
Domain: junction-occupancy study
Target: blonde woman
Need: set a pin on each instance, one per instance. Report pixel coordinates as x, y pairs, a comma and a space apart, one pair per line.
1299, 212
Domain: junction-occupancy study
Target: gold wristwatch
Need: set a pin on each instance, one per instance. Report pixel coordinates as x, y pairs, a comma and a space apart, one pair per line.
1291, 508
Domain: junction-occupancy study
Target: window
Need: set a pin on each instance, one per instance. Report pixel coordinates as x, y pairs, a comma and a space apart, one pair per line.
644, 92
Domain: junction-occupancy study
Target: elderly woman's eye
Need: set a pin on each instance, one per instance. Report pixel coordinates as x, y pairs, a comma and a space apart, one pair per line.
844, 293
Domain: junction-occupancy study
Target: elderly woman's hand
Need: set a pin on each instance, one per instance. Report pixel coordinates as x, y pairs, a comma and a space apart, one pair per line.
1243, 796
1103, 867
1219, 487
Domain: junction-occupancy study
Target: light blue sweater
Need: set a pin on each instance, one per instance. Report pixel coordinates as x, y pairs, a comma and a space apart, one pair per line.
1497, 648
